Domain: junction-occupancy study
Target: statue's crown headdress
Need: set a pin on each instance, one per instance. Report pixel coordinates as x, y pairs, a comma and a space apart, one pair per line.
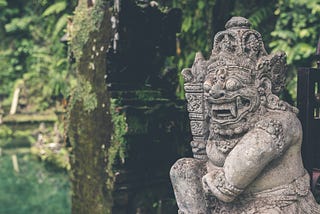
238, 45
242, 48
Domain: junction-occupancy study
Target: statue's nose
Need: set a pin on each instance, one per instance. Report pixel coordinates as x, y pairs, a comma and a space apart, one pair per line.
216, 93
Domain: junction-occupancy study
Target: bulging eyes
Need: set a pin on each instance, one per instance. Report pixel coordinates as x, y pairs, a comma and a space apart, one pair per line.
233, 84
210, 80
206, 86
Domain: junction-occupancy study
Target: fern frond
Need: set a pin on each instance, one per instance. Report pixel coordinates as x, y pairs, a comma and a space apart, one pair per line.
55, 9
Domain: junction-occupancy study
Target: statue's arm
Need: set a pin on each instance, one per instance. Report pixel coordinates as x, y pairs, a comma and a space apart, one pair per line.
246, 161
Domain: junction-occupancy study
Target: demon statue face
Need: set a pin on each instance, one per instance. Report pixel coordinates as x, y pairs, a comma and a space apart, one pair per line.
246, 141
230, 94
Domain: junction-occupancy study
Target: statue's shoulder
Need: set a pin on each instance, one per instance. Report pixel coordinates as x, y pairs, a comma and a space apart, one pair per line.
288, 119
279, 114
285, 123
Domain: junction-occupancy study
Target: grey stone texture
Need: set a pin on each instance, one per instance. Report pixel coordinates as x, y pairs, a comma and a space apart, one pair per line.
246, 141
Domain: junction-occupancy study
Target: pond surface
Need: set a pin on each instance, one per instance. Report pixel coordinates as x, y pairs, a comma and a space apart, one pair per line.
36, 188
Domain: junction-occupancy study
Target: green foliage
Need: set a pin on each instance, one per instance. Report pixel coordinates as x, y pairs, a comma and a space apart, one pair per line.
32, 51
25, 136
260, 14
50, 148
296, 32
55, 8
10, 138
118, 143
3, 3
119, 130
34, 189
5, 135
83, 93
58, 159
195, 34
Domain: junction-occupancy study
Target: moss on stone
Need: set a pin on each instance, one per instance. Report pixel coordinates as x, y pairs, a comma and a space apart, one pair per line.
84, 94
147, 95
30, 118
117, 148
6, 135
89, 127
86, 20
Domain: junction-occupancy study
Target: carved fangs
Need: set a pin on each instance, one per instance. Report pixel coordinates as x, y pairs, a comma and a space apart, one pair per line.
225, 110
233, 110
230, 109
239, 103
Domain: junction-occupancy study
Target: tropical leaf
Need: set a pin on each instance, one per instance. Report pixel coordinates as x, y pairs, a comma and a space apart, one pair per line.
3, 3
260, 15
55, 8
18, 24
60, 25
284, 34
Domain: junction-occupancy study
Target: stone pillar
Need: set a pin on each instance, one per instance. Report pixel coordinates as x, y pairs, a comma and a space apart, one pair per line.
194, 97
125, 129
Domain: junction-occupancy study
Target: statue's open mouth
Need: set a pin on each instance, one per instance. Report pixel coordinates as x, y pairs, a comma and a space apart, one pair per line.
224, 110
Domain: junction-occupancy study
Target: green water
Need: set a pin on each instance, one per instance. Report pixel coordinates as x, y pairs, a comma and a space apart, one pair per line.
36, 188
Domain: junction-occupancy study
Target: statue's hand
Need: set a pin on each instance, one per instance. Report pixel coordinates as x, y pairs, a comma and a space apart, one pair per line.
207, 181
214, 183
210, 199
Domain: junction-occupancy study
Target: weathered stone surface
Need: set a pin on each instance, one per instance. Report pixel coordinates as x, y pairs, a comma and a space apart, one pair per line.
246, 141
123, 139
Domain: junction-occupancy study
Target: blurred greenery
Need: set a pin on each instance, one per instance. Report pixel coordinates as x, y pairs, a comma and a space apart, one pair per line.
296, 32
32, 56
34, 189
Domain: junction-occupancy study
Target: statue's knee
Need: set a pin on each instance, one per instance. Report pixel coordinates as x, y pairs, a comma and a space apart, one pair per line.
178, 168
187, 168
186, 177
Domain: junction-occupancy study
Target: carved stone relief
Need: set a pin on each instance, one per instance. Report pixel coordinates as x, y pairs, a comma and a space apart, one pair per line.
246, 141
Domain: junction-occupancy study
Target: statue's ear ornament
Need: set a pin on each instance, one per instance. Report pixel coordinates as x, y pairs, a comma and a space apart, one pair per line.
196, 73
273, 67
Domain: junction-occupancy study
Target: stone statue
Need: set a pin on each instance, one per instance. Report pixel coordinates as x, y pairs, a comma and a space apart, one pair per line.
246, 141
